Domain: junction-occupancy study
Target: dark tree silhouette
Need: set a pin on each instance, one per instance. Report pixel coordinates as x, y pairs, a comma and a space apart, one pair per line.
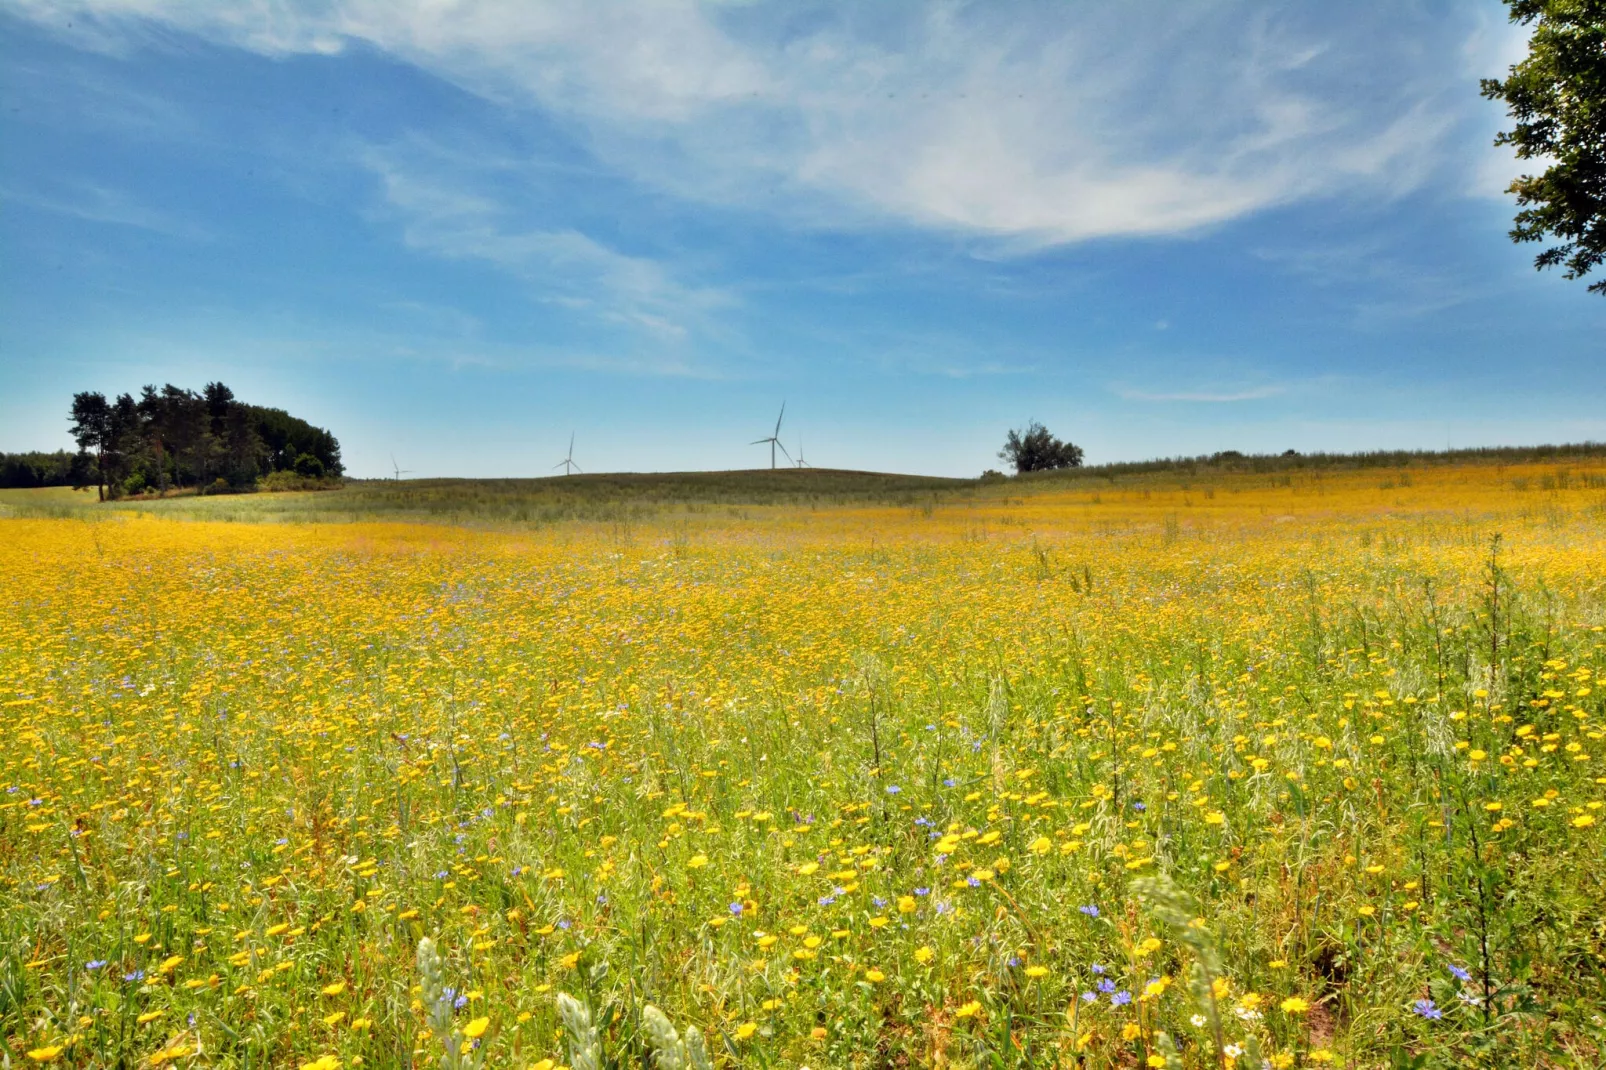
172, 436
1557, 97
94, 429
1035, 450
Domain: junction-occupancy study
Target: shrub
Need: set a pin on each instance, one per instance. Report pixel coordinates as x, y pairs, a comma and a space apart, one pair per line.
281, 481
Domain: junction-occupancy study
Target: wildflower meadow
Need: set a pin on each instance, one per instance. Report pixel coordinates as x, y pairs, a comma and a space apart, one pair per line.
1287, 770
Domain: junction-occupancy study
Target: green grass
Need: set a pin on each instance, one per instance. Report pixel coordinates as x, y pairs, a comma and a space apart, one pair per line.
610, 497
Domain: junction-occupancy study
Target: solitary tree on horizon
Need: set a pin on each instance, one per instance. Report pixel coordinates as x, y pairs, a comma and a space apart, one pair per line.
1036, 450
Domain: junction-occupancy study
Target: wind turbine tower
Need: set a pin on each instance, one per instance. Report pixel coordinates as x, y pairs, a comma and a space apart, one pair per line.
568, 461
774, 439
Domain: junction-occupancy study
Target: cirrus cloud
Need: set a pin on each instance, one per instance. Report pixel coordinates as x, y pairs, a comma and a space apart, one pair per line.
1028, 125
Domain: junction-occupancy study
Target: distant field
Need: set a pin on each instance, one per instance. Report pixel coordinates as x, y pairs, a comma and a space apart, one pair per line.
45, 497
1298, 767
614, 496
704, 497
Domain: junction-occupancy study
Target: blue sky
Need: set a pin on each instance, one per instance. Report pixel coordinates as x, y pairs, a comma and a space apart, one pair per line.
457, 230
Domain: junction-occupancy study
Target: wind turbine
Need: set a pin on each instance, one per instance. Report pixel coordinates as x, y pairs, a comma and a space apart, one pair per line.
775, 438
568, 461
801, 463
399, 471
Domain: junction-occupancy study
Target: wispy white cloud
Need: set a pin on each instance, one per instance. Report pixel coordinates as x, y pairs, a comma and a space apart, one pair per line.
1378, 276
1030, 125
429, 195
1489, 51
100, 204
1258, 393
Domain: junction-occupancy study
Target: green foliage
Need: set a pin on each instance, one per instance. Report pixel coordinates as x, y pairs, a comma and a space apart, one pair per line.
286, 438
1557, 97
671, 1051
437, 999
309, 466
38, 469
172, 437
291, 480
1035, 450
585, 1043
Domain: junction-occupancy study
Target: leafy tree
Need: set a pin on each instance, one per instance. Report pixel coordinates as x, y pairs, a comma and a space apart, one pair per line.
284, 438
1035, 450
93, 428
1557, 96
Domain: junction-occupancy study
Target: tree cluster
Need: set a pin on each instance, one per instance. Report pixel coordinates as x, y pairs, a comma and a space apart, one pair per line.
38, 469
1036, 450
171, 437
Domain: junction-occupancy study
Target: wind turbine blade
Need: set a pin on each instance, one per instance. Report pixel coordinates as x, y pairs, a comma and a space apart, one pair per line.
783, 450
560, 464
779, 418
577, 468
758, 442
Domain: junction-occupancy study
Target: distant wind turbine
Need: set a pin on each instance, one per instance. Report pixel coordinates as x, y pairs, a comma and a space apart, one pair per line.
801, 463
775, 438
568, 461
399, 471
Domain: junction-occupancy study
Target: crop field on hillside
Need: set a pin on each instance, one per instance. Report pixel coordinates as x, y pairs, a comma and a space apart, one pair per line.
1288, 770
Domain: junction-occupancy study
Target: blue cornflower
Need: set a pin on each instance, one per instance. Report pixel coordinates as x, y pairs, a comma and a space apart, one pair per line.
1139, 806
1460, 974
826, 900
94, 964
1426, 1009
878, 901
1090, 910
137, 975
736, 908
1090, 997
973, 882
1121, 998
1096, 968
922, 891
893, 789
949, 782
1106, 985
563, 923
